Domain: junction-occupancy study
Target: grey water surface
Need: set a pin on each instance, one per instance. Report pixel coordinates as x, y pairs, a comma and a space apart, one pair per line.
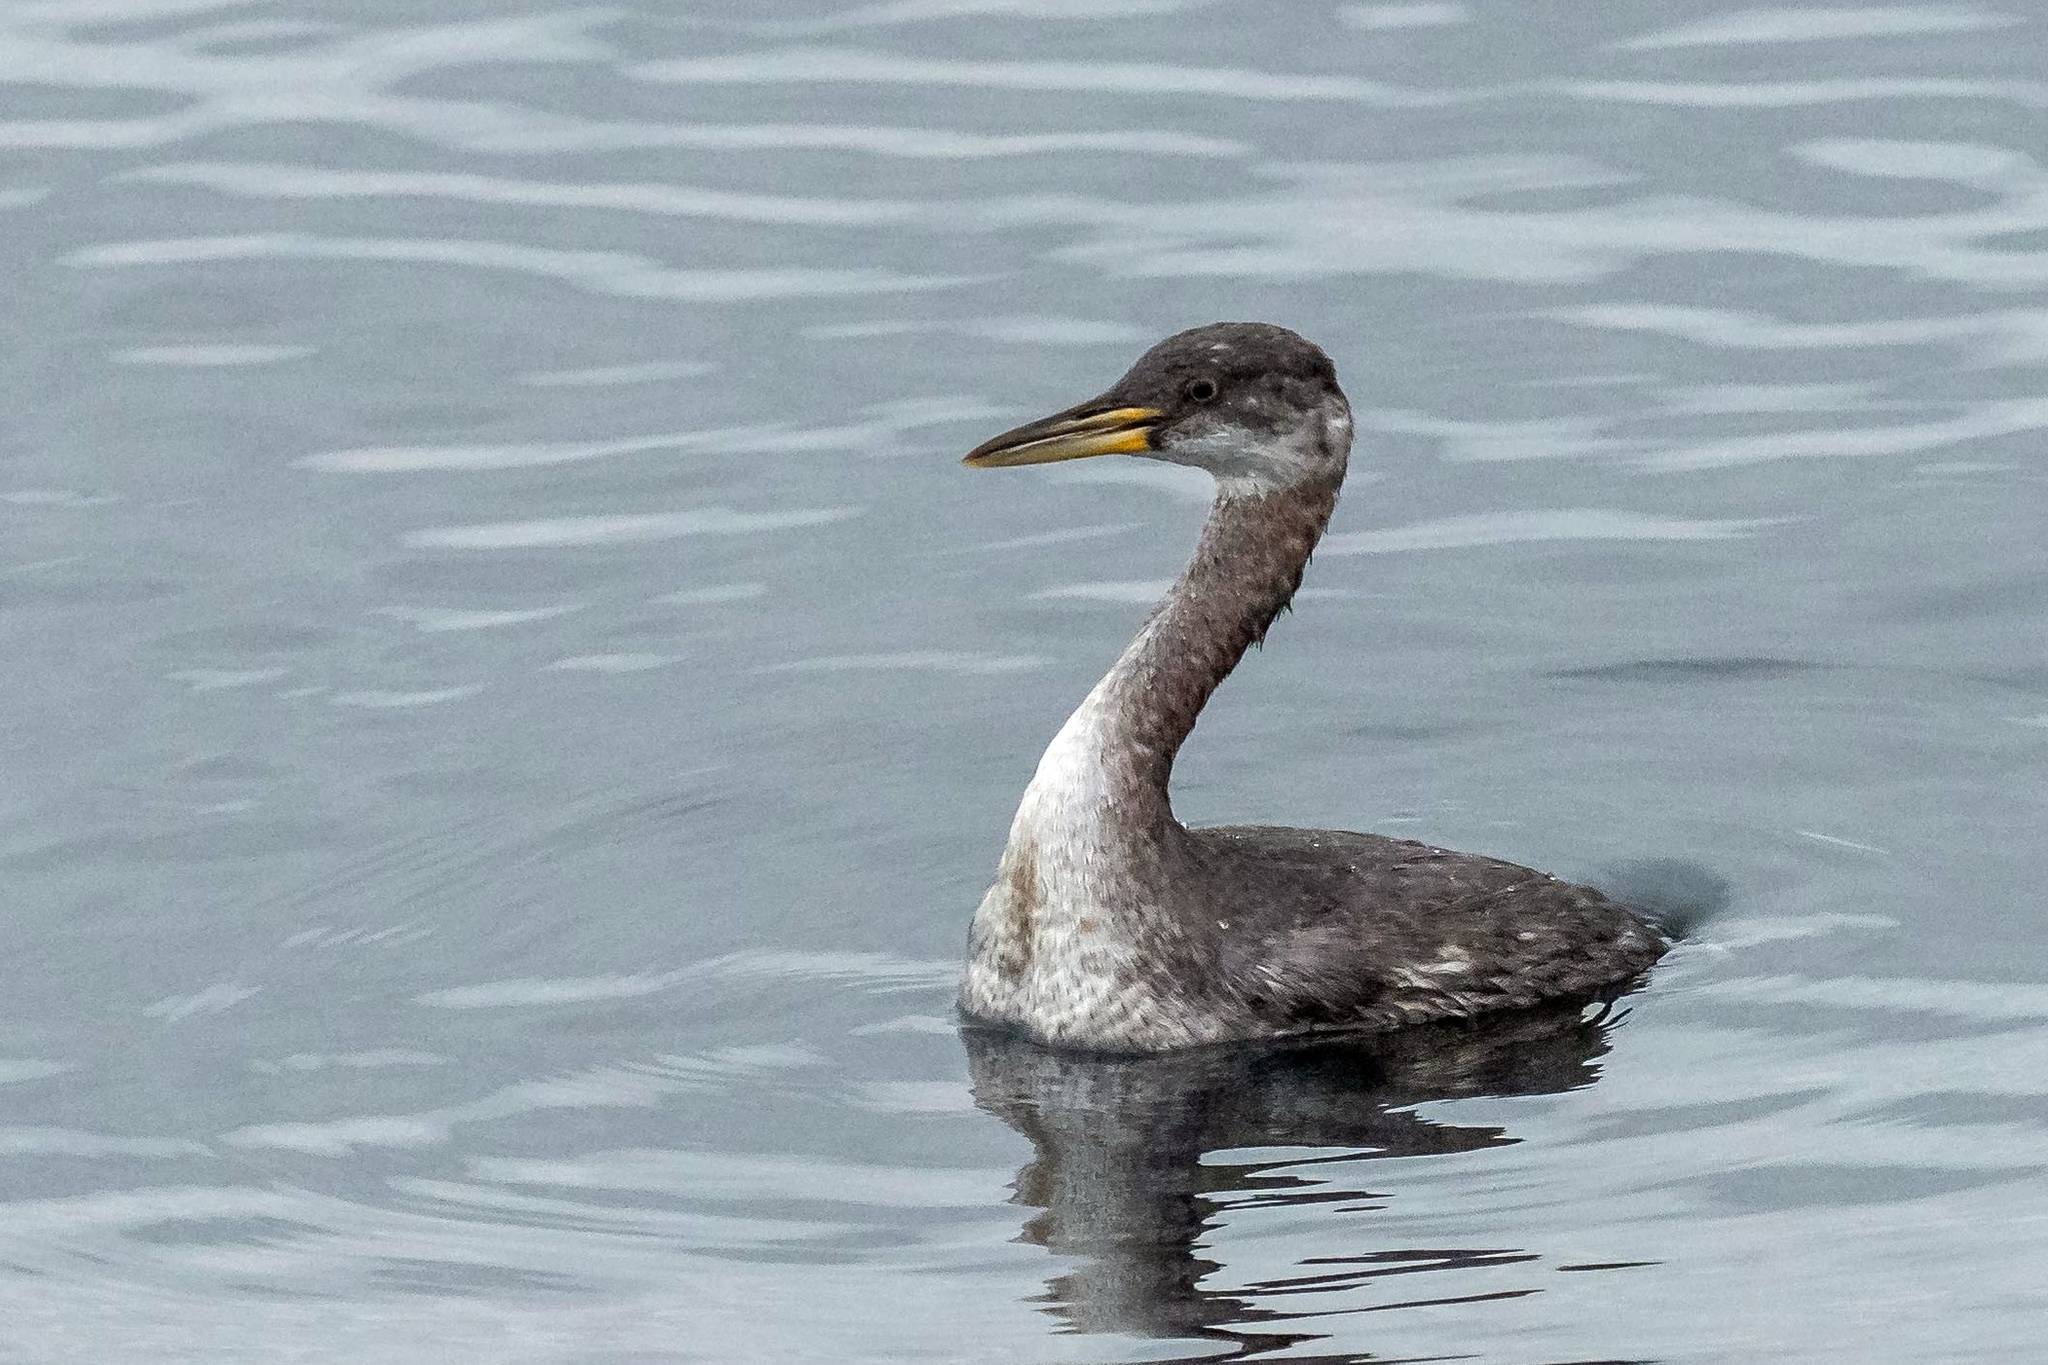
509, 699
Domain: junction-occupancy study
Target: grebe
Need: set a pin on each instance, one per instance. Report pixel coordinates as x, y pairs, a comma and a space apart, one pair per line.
1113, 927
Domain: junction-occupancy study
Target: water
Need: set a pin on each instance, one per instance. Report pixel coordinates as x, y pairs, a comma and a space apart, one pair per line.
511, 700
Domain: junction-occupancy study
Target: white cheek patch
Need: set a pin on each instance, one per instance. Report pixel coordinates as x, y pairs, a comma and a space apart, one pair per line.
1235, 461
1337, 428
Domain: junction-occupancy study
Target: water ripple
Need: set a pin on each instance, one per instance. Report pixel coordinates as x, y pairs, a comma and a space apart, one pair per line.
1427, 14
436, 620
892, 12
1334, 220
621, 529
275, 181
867, 969
1131, 590
343, 81
1819, 24
216, 356
811, 65
553, 137
1796, 94
611, 663
1989, 339
742, 1178
1536, 525
714, 594
881, 427
402, 699
606, 376
911, 661
1976, 1002
1981, 421
603, 272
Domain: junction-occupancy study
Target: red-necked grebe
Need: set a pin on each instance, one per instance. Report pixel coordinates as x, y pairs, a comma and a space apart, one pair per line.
1111, 925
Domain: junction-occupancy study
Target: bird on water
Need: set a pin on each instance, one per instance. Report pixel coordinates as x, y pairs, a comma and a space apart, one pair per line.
1112, 926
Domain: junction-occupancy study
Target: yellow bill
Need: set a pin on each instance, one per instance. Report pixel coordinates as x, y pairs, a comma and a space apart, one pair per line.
1070, 435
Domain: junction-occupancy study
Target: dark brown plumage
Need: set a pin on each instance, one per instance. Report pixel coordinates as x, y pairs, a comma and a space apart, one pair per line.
1113, 926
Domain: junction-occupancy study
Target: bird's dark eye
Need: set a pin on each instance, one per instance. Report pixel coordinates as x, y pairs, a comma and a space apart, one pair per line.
1200, 390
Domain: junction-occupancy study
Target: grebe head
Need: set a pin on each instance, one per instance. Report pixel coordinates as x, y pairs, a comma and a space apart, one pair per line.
1255, 405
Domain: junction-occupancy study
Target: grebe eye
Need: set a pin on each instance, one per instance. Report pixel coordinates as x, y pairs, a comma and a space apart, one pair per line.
1201, 390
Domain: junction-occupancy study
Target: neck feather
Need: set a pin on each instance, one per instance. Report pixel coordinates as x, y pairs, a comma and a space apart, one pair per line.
1115, 754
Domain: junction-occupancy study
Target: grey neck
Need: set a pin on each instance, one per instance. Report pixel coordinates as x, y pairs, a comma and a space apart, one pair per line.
1244, 571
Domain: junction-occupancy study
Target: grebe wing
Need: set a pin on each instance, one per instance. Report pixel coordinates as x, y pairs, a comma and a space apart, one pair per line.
1327, 928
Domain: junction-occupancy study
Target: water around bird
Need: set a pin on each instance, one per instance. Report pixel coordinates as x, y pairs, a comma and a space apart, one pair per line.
511, 701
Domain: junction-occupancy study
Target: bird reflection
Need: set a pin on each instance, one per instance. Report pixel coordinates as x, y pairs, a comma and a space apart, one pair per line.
1125, 1178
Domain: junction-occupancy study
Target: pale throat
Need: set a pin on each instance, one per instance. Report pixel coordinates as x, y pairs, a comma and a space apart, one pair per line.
1099, 801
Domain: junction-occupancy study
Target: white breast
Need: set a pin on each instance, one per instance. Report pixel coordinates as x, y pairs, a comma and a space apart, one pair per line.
1045, 952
